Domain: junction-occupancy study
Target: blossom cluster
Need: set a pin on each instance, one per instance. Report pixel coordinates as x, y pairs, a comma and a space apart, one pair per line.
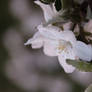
61, 41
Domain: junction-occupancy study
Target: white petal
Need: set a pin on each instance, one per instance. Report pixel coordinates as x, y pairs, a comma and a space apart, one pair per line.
51, 32
37, 45
36, 35
48, 12
67, 68
36, 41
68, 35
84, 51
49, 48
54, 9
76, 30
67, 26
28, 42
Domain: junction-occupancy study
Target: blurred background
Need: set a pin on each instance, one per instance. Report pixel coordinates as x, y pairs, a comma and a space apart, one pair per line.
23, 69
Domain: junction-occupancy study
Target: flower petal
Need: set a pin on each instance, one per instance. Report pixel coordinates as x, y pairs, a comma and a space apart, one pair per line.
36, 41
83, 51
50, 32
49, 48
68, 35
48, 12
53, 32
67, 26
67, 68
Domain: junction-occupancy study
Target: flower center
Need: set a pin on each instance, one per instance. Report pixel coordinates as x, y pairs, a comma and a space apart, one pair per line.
63, 46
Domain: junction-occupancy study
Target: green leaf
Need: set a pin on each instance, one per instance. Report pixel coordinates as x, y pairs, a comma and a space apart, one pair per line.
80, 65
89, 89
47, 1
89, 13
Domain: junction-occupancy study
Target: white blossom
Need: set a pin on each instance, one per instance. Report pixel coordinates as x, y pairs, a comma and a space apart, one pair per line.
55, 42
49, 12
63, 44
60, 43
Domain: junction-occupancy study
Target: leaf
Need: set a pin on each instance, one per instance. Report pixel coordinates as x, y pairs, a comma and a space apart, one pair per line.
89, 89
80, 65
89, 13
